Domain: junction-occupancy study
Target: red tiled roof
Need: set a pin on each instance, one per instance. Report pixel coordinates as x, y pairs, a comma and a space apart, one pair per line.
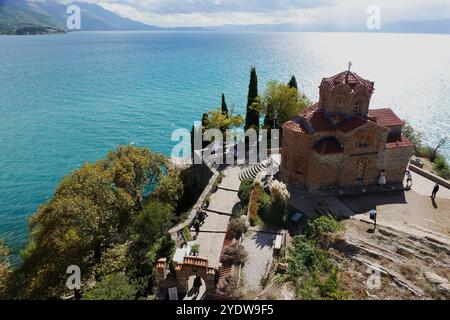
161, 263
349, 78
294, 125
350, 125
313, 119
399, 141
193, 261
385, 117
319, 122
328, 146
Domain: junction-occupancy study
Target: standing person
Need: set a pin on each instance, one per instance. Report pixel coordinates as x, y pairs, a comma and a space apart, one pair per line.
408, 179
197, 226
197, 286
382, 180
435, 191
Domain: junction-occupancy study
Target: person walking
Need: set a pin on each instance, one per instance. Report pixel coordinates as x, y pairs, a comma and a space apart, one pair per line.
435, 191
197, 226
408, 179
197, 285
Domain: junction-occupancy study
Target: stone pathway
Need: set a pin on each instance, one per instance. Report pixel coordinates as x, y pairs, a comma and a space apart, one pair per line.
222, 204
259, 245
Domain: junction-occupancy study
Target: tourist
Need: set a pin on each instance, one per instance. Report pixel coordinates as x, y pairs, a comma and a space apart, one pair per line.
197, 285
197, 226
408, 179
201, 216
382, 181
435, 191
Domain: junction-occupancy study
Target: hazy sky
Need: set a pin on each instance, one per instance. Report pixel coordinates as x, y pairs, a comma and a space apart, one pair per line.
316, 12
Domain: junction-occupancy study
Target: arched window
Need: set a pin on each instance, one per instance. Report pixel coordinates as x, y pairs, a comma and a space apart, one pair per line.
324, 103
361, 169
363, 141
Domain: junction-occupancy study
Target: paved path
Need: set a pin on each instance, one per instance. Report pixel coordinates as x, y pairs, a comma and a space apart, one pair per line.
222, 204
424, 187
259, 245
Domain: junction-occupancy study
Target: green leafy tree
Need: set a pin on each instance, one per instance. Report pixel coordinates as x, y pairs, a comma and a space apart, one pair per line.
253, 115
91, 210
149, 238
112, 287
413, 135
281, 104
218, 120
170, 188
293, 83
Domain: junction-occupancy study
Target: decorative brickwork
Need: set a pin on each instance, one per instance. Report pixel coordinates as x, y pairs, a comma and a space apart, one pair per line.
340, 142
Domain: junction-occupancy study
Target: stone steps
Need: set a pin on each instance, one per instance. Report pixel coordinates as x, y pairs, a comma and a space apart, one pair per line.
252, 171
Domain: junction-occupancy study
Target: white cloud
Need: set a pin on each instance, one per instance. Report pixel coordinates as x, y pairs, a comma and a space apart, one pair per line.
219, 12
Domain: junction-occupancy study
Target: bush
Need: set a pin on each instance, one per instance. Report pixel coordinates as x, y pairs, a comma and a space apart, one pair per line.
280, 198
195, 249
239, 227
442, 168
112, 287
424, 151
228, 288
245, 190
321, 226
187, 234
257, 198
235, 254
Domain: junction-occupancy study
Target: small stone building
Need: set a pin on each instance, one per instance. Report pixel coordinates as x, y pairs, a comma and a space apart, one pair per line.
340, 142
185, 271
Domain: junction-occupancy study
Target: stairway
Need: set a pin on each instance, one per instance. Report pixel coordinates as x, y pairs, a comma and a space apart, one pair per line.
252, 171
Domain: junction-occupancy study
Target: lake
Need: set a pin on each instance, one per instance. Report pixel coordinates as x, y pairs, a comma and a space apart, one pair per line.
67, 99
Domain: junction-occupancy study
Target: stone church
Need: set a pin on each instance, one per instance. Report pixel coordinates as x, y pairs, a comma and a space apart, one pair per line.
340, 142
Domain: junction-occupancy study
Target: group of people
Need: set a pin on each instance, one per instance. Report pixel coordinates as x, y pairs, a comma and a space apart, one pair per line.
199, 220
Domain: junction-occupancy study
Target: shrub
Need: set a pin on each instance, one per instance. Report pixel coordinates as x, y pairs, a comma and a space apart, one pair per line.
317, 228
441, 167
235, 254
195, 249
245, 189
239, 227
207, 201
112, 287
255, 204
280, 198
228, 288
187, 234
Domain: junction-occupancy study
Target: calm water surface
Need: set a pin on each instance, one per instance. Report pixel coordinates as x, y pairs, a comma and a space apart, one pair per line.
66, 99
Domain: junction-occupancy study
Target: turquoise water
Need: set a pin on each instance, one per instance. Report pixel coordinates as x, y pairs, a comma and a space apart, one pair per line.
66, 99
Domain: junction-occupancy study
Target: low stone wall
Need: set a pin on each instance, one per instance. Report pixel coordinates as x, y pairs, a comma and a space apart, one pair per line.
430, 176
206, 192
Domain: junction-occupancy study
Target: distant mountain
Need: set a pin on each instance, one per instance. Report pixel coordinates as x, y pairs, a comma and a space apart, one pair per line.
35, 17
427, 26
19, 17
431, 26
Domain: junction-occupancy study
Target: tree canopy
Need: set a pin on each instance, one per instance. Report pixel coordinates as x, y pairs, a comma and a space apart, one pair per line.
92, 209
282, 103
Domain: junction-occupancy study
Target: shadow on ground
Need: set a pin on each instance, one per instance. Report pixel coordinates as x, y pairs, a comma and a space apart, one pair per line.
364, 203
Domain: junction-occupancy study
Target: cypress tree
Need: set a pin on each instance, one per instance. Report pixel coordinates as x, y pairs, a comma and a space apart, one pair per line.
224, 106
293, 83
252, 116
